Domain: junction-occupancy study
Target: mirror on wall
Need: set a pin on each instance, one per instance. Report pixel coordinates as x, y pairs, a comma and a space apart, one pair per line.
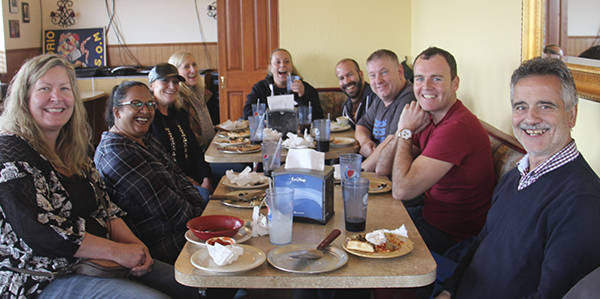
547, 22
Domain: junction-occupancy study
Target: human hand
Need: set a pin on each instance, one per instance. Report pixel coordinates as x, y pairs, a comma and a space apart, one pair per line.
444, 295
145, 267
367, 148
298, 87
132, 256
413, 118
206, 184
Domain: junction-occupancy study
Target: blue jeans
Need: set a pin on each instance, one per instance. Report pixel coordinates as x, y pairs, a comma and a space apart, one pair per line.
159, 283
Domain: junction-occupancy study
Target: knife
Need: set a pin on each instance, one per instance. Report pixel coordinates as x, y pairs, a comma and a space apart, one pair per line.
313, 254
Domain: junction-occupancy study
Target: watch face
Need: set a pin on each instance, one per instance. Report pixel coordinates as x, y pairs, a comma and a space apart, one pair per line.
406, 134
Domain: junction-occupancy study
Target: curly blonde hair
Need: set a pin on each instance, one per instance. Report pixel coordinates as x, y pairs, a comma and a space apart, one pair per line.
73, 142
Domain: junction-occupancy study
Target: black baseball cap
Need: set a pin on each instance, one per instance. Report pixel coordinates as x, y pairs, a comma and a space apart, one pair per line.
164, 71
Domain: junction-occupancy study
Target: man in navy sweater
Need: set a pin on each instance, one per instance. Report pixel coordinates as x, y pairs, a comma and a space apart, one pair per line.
540, 235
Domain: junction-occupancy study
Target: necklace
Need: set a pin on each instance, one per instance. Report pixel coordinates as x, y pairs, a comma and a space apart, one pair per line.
173, 146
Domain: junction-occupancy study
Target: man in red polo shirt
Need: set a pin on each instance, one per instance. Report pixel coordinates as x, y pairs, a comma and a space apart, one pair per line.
442, 154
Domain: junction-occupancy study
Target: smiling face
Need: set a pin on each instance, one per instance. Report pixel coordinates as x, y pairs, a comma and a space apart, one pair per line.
189, 70
434, 87
540, 121
349, 78
131, 121
165, 91
51, 101
386, 78
281, 66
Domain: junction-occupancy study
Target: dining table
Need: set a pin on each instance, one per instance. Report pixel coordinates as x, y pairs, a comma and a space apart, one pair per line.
213, 155
415, 269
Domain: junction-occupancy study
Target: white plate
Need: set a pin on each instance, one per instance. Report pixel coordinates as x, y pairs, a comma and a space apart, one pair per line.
342, 142
279, 257
243, 235
252, 258
336, 128
229, 184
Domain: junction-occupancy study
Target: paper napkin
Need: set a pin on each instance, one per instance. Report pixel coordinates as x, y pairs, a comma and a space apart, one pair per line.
224, 255
377, 237
305, 158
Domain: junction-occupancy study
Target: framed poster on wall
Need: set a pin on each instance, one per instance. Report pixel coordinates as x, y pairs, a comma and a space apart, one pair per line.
25, 9
13, 6
13, 29
82, 47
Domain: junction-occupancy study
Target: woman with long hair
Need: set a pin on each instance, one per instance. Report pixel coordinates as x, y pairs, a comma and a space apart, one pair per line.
54, 209
193, 97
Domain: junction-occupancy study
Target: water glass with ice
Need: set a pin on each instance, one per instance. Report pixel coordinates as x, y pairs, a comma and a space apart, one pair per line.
280, 202
257, 125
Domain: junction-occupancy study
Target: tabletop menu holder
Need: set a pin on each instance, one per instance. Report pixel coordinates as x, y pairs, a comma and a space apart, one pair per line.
283, 121
313, 192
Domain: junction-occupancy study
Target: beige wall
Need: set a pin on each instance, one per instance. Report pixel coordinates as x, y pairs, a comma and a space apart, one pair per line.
30, 33
319, 33
484, 36
486, 46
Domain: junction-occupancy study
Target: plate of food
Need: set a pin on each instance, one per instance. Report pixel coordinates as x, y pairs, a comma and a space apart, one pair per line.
234, 134
243, 234
225, 141
341, 141
339, 127
245, 199
379, 185
250, 259
240, 149
394, 246
230, 125
262, 183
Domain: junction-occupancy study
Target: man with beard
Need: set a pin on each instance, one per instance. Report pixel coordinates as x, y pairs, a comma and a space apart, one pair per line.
442, 151
539, 238
352, 83
393, 92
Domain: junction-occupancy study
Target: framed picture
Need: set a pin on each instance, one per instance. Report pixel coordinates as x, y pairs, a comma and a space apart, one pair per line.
13, 27
13, 6
82, 47
25, 9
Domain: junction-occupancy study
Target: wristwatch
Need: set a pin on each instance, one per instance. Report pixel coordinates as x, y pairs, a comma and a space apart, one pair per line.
405, 134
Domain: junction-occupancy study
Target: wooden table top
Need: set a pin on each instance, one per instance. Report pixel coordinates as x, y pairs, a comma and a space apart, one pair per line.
416, 269
213, 155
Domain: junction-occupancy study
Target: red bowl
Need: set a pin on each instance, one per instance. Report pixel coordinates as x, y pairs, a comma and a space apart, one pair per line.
206, 227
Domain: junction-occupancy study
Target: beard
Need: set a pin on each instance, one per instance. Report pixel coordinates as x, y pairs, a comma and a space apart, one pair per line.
355, 94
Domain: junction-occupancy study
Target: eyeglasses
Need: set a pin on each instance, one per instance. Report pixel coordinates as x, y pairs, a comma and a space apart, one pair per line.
139, 104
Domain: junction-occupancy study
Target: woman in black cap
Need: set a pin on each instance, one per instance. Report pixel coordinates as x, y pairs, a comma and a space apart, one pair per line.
171, 127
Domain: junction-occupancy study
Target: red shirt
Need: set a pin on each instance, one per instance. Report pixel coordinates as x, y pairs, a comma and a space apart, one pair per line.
459, 201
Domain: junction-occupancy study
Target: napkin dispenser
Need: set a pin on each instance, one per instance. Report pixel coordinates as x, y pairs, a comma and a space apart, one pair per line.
283, 121
313, 192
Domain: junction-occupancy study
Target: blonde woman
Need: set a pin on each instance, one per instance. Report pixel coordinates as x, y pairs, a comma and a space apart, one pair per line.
193, 97
171, 126
54, 208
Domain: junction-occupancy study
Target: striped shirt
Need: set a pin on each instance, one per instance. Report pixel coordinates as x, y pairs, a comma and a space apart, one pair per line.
562, 157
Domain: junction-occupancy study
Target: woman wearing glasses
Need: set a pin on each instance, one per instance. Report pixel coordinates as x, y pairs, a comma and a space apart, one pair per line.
171, 126
141, 177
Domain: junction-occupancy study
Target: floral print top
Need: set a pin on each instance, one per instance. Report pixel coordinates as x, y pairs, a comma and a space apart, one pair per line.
39, 232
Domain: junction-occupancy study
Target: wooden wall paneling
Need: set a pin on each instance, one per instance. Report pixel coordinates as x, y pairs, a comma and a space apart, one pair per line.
578, 44
15, 59
152, 54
